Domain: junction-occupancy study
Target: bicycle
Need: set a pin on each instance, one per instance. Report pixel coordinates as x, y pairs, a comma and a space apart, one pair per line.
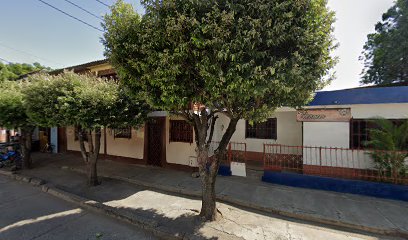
48, 148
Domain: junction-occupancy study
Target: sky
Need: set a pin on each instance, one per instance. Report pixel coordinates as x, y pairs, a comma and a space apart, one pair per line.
31, 32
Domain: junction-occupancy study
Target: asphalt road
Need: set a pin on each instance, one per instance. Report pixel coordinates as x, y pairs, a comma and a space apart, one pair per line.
26, 213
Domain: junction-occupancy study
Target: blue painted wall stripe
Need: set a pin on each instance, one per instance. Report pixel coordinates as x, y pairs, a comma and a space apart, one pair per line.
224, 170
373, 189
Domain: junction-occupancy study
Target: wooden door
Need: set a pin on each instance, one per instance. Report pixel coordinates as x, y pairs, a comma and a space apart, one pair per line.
62, 140
156, 149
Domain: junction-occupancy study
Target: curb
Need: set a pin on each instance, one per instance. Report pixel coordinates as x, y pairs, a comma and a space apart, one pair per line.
16, 176
147, 224
227, 199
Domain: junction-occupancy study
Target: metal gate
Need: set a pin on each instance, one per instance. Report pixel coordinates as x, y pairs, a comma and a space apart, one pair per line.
236, 152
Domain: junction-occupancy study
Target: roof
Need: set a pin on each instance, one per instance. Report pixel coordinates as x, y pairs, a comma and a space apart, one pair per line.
371, 95
80, 67
22, 76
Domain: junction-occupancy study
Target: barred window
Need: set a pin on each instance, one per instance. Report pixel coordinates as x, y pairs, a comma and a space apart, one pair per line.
360, 131
76, 133
122, 132
264, 130
180, 131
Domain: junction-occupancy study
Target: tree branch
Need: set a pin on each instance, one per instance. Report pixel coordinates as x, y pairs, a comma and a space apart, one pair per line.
228, 134
213, 120
82, 145
97, 141
90, 142
185, 114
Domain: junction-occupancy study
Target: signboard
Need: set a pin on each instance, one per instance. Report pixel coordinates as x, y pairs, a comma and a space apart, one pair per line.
324, 115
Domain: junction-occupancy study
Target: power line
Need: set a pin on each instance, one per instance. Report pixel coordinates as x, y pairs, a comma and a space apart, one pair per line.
27, 53
102, 3
83, 9
69, 15
4, 60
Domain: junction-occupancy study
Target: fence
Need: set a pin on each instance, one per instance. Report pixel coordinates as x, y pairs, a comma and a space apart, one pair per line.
236, 152
372, 165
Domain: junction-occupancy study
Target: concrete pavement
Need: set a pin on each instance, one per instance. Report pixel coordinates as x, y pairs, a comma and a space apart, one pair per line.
346, 210
177, 213
27, 213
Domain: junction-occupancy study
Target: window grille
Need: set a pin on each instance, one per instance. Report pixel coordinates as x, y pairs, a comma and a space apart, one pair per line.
180, 131
84, 136
122, 132
264, 130
360, 131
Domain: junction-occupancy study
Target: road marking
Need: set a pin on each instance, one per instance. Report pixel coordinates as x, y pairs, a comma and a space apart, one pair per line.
42, 218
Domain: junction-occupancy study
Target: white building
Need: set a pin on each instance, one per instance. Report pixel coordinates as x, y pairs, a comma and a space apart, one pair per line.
334, 119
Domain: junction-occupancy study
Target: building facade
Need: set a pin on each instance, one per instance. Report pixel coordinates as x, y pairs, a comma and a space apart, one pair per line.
334, 119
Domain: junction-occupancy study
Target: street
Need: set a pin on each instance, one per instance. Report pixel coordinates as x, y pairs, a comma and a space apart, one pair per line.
27, 213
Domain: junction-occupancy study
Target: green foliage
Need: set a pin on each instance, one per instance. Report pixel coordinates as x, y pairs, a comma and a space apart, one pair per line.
389, 136
245, 58
70, 99
390, 144
12, 71
239, 58
13, 114
385, 52
12, 106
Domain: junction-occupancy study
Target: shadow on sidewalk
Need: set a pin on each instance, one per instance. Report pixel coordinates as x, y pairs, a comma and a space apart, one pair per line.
189, 224
122, 194
177, 220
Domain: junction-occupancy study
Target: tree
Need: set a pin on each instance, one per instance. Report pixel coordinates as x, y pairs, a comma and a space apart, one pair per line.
385, 53
389, 142
84, 101
13, 115
12, 71
242, 59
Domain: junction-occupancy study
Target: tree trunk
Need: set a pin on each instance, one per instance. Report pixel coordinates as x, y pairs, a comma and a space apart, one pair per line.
25, 145
91, 157
7, 135
209, 169
208, 204
81, 141
92, 171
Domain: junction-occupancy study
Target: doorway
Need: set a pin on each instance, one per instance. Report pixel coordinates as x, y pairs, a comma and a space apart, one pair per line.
156, 148
62, 140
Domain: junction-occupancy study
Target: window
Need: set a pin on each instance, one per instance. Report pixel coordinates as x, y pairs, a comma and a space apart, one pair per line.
108, 73
264, 130
180, 131
360, 131
122, 132
85, 136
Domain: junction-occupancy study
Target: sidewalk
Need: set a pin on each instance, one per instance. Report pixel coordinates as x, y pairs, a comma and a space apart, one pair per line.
28, 213
351, 211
